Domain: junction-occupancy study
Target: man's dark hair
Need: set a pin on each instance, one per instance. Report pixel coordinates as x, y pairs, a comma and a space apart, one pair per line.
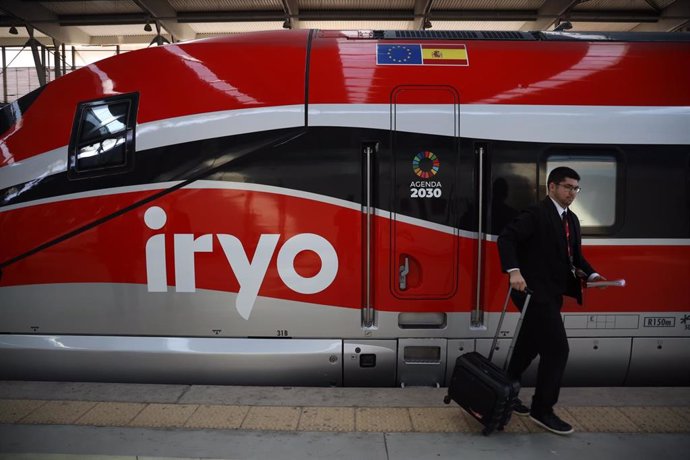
559, 174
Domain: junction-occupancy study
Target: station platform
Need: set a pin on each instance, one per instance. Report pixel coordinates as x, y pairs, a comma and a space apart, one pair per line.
79, 420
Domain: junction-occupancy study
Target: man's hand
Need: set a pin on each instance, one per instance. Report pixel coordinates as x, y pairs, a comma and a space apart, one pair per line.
517, 282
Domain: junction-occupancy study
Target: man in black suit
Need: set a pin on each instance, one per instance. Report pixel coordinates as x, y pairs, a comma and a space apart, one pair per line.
541, 249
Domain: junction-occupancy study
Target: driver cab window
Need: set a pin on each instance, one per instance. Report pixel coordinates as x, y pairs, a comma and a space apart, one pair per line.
103, 137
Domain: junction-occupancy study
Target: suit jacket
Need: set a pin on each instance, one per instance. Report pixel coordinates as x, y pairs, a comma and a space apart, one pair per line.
535, 243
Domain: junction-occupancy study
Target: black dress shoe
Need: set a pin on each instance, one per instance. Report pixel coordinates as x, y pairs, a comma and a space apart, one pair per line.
519, 408
552, 423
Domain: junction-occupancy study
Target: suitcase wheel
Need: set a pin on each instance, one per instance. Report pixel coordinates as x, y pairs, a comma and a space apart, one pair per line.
446, 399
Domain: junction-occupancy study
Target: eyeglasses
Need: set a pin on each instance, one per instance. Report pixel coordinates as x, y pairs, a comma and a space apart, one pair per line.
570, 188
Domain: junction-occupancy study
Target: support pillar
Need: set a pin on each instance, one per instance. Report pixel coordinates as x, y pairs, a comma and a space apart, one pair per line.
38, 62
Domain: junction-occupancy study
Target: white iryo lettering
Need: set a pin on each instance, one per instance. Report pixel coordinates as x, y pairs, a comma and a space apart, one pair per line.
249, 274
185, 248
156, 273
307, 242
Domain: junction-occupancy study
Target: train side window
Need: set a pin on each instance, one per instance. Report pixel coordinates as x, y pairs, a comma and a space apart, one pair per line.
103, 137
596, 204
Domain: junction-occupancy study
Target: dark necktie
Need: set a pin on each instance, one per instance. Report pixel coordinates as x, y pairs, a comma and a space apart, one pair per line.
566, 228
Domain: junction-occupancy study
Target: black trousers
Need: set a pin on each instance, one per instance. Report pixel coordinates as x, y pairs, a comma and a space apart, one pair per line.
542, 334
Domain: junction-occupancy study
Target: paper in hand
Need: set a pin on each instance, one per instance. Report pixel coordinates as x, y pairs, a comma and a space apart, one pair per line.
607, 283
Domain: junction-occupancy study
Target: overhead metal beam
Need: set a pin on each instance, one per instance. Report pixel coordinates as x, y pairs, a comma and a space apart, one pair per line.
58, 58
549, 13
348, 15
619, 16
484, 15
19, 42
422, 8
231, 16
162, 12
40, 18
357, 15
533, 16
38, 62
291, 9
652, 4
251, 16
675, 16
4, 76
103, 19
672, 18
125, 39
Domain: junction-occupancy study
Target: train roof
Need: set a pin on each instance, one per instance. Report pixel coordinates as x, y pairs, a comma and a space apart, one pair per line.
304, 68
531, 36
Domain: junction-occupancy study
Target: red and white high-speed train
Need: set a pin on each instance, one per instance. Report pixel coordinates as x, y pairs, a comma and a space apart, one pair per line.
321, 208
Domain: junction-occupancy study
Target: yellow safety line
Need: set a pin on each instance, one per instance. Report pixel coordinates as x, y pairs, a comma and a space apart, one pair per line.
449, 419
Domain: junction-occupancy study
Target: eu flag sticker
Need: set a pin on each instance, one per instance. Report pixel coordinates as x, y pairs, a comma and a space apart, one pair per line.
398, 54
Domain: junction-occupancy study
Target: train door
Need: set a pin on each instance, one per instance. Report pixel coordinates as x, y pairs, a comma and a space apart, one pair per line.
425, 218
424, 243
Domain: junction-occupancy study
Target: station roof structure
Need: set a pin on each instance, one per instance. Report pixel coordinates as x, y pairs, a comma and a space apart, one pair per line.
119, 22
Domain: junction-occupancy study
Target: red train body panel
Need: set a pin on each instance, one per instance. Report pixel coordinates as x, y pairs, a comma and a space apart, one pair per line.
343, 190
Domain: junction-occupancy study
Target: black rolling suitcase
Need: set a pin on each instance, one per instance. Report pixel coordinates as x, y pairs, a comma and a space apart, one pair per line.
482, 388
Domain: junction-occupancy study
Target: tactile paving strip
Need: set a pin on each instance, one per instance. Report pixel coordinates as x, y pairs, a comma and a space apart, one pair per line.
603, 419
439, 420
59, 412
333, 419
518, 424
657, 419
383, 420
683, 412
218, 417
272, 418
12, 411
111, 414
164, 415
339, 419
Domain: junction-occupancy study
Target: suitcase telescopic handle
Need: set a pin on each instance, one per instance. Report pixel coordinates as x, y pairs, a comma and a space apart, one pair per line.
529, 293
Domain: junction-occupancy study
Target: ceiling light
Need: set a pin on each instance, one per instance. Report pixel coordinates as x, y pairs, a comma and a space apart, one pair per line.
13, 30
147, 27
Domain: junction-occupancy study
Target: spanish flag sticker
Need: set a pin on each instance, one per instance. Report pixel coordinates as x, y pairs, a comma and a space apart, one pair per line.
444, 55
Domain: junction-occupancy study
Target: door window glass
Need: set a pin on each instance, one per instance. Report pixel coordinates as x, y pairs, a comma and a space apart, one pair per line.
595, 205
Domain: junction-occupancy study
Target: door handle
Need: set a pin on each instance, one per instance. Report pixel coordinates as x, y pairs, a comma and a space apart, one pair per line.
404, 270
369, 149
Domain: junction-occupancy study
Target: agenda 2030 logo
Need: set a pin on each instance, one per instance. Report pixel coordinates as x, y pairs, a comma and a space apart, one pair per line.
426, 165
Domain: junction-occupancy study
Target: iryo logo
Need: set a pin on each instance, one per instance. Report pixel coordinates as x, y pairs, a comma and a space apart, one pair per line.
250, 274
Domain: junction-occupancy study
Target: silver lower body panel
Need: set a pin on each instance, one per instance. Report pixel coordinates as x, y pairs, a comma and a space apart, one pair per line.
610, 361
294, 362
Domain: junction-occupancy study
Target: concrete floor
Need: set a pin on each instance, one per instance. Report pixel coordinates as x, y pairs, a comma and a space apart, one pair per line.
62, 441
